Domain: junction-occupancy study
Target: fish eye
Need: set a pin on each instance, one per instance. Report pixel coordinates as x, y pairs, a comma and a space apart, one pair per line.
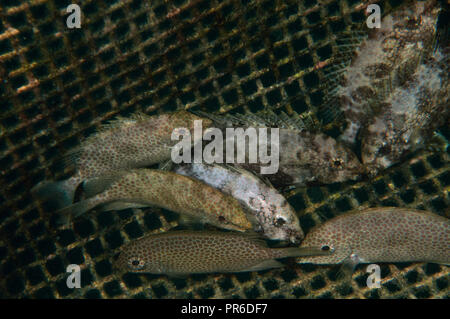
337, 162
136, 263
280, 222
325, 248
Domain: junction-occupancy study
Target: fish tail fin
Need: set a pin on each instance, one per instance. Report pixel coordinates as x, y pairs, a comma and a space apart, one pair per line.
59, 193
301, 252
66, 214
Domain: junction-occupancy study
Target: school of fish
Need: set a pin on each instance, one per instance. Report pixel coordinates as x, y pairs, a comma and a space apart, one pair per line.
393, 95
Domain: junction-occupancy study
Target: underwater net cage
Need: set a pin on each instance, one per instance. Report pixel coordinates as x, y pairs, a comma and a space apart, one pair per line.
58, 85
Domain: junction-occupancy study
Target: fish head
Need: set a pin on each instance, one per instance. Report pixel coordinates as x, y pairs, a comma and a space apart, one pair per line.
285, 229
133, 258
280, 221
337, 163
330, 239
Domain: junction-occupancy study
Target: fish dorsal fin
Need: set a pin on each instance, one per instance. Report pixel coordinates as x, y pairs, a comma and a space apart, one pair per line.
117, 122
71, 157
347, 44
247, 119
294, 121
139, 116
241, 170
222, 120
261, 119
121, 121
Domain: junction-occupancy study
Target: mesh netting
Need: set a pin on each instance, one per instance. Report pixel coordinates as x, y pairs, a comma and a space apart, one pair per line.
58, 85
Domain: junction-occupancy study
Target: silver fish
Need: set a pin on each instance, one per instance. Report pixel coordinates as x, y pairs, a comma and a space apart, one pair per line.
276, 219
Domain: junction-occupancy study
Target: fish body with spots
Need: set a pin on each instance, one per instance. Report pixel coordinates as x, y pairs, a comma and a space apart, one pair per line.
189, 252
387, 60
148, 187
385, 234
310, 158
306, 156
275, 218
410, 116
125, 143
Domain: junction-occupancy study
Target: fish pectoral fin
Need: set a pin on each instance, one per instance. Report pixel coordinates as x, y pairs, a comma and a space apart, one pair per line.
266, 264
187, 220
166, 166
346, 269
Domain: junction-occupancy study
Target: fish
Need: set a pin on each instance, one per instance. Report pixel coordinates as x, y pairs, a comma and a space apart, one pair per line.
276, 219
385, 60
381, 234
306, 155
125, 143
412, 114
313, 158
191, 198
178, 253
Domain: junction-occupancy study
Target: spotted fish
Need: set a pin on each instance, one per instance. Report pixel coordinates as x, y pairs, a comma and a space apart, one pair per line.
313, 158
126, 143
411, 115
190, 252
385, 234
384, 64
306, 156
148, 187
276, 219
